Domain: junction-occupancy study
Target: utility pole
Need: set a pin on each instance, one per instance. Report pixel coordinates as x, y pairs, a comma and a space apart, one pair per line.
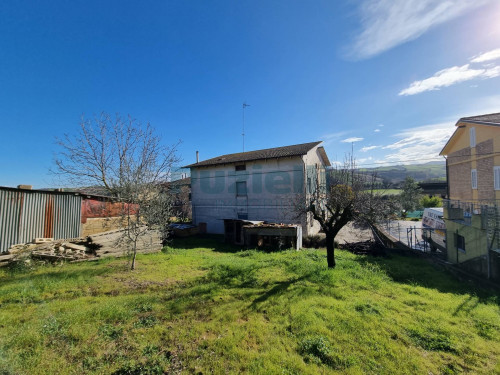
243, 134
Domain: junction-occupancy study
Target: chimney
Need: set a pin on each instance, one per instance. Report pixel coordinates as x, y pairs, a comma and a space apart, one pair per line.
197, 156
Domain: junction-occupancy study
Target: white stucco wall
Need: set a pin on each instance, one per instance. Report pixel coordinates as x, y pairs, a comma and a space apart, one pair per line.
272, 188
272, 185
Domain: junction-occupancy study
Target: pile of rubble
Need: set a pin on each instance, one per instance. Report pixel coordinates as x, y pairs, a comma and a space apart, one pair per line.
107, 244
364, 248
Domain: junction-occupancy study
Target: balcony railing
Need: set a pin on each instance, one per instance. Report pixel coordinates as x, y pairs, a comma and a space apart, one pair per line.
463, 211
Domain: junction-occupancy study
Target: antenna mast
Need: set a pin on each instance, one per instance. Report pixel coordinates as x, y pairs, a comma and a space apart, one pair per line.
243, 134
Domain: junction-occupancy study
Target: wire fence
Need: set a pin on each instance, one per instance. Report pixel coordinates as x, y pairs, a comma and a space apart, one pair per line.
415, 237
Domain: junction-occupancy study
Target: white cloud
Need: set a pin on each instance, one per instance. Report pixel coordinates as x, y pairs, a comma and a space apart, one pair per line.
423, 143
351, 140
334, 135
450, 76
368, 148
362, 161
329, 138
487, 56
376, 130
420, 144
389, 23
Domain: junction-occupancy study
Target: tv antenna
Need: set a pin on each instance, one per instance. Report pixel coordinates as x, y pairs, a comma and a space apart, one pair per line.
243, 134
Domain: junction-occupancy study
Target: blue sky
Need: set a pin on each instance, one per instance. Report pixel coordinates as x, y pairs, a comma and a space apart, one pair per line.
388, 78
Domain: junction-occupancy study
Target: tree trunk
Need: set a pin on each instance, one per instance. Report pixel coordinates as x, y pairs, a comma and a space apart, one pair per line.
133, 256
330, 250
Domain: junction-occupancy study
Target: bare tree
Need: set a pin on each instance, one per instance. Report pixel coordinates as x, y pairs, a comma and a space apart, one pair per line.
128, 161
339, 196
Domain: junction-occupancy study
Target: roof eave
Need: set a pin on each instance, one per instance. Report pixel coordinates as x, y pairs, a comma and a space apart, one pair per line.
239, 162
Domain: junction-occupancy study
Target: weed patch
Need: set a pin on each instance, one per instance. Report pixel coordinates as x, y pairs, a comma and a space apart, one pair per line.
432, 340
317, 349
134, 368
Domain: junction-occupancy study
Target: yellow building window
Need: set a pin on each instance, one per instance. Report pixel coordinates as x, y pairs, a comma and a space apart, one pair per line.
472, 133
496, 177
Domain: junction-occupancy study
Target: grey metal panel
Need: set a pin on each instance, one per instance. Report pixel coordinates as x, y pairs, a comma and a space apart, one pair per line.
25, 215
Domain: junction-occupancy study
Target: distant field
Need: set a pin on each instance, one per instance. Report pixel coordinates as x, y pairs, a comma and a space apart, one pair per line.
435, 171
388, 191
202, 307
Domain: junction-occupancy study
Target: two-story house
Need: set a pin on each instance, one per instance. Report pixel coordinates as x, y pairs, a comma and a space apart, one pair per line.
473, 173
256, 185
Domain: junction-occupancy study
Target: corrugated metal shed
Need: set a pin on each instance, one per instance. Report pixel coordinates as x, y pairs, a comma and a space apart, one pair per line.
27, 214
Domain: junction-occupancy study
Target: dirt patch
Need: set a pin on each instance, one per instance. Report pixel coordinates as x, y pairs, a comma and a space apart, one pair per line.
354, 233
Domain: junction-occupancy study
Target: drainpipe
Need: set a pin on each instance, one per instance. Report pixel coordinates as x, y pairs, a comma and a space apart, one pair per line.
490, 246
447, 178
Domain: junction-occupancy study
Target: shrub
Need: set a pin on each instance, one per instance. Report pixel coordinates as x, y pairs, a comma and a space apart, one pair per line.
427, 202
314, 241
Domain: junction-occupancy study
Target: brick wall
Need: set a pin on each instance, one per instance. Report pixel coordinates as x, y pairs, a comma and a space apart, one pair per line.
484, 148
485, 170
460, 155
485, 179
103, 208
459, 181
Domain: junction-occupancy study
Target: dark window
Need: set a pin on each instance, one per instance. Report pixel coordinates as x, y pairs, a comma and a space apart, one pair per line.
309, 185
241, 188
241, 167
189, 197
460, 243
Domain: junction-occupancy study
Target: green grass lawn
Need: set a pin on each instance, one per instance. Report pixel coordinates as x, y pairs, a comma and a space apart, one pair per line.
204, 307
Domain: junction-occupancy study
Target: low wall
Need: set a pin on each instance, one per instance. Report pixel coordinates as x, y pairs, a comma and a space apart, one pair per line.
99, 225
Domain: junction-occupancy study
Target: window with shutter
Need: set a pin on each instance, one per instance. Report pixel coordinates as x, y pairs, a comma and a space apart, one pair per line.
496, 178
472, 132
473, 177
241, 188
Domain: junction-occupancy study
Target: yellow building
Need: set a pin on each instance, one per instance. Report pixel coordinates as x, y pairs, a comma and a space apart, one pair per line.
471, 210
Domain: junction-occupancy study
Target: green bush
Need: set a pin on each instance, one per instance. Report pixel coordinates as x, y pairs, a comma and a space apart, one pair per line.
314, 241
428, 202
